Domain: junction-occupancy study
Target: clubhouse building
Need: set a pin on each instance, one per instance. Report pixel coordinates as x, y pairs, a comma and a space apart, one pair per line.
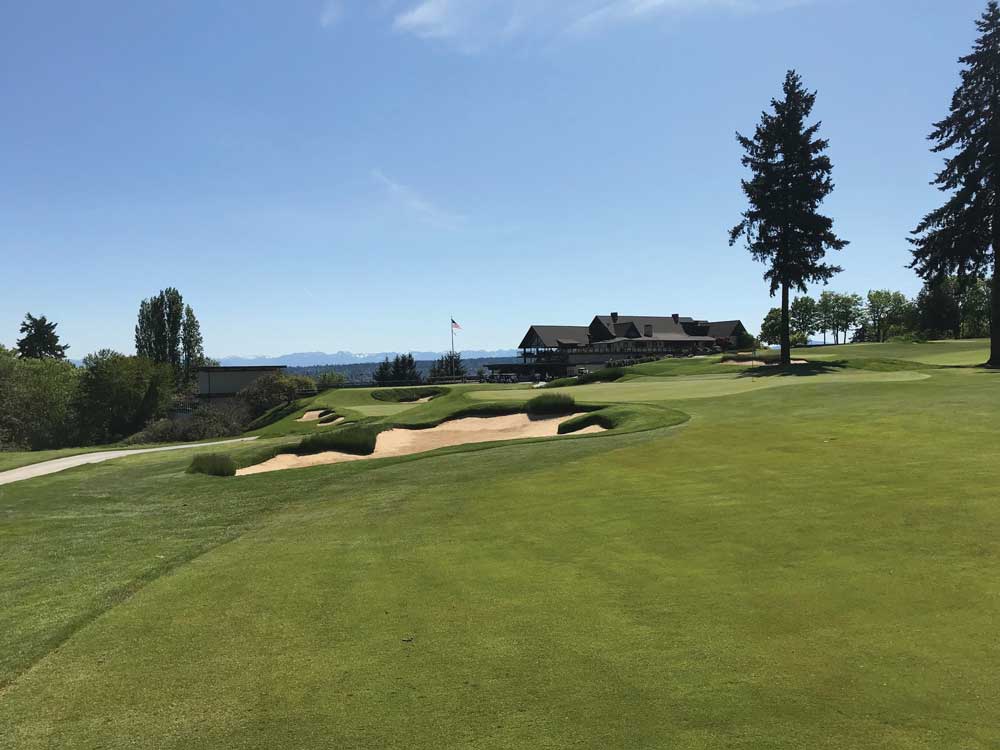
609, 340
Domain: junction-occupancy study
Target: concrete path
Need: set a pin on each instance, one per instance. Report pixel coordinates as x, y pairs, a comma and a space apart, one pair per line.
68, 462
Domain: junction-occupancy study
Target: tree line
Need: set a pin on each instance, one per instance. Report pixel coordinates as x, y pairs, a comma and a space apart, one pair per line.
954, 248
48, 402
945, 308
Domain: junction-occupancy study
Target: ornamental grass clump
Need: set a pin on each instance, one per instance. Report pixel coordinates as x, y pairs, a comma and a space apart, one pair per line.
358, 440
213, 464
550, 405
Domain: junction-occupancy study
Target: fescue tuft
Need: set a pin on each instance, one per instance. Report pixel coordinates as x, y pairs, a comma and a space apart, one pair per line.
213, 464
551, 404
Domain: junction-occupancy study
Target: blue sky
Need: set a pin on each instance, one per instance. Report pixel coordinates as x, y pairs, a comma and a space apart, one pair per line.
348, 174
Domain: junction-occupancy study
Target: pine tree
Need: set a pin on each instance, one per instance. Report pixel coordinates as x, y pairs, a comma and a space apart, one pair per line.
791, 176
404, 370
449, 365
40, 339
963, 235
383, 373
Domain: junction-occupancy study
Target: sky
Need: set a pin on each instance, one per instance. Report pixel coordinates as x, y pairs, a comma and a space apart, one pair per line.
322, 175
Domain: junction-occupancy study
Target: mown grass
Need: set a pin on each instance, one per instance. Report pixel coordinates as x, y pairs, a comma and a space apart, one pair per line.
757, 579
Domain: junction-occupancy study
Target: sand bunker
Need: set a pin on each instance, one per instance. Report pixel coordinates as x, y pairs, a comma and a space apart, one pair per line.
400, 442
311, 416
338, 420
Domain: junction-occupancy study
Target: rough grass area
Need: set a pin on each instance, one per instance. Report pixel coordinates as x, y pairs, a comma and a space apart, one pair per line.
213, 464
277, 414
550, 405
406, 395
358, 440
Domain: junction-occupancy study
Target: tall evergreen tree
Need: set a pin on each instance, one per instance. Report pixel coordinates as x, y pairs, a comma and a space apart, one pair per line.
404, 370
791, 176
963, 235
383, 373
40, 340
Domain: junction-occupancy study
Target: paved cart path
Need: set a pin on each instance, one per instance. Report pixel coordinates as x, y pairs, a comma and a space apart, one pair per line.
68, 462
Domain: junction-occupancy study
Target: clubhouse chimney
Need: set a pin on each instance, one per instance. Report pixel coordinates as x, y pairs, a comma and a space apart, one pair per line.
614, 317
647, 330
676, 317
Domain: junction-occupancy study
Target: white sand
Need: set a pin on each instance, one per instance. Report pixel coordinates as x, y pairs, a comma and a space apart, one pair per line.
338, 420
400, 442
310, 416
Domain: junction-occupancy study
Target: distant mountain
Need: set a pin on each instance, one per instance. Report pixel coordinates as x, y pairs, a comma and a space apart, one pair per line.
313, 359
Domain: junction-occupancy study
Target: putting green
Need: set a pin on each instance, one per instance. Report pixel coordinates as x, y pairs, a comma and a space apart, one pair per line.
644, 389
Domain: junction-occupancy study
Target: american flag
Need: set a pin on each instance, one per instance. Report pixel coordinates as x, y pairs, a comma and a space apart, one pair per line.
455, 326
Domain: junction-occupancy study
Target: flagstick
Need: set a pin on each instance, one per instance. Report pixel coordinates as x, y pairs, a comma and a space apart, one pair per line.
451, 322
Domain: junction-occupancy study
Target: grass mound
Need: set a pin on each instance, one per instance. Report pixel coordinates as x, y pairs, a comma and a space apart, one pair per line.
328, 416
358, 440
213, 464
406, 395
551, 404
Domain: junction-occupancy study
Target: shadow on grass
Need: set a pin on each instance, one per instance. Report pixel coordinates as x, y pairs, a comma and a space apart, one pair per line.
806, 370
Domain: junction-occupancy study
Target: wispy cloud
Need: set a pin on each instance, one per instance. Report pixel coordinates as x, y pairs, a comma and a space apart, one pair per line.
475, 24
332, 13
417, 205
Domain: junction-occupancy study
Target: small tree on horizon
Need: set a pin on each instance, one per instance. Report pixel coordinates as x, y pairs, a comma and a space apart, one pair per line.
40, 340
450, 365
790, 178
963, 236
770, 329
803, 317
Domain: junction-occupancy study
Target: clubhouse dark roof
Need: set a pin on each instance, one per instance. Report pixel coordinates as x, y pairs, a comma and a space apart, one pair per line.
550, 337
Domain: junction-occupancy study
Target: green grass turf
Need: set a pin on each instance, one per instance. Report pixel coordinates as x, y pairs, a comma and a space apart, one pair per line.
810, 566
948, 353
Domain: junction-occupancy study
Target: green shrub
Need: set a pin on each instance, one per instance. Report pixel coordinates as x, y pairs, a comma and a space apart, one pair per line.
551, 404
358, 440
406, 395
213, 464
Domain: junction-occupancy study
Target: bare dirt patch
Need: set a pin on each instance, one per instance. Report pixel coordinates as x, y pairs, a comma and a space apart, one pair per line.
401, 442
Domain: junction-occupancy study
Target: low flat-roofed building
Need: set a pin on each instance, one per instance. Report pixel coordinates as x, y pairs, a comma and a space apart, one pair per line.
226, 382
